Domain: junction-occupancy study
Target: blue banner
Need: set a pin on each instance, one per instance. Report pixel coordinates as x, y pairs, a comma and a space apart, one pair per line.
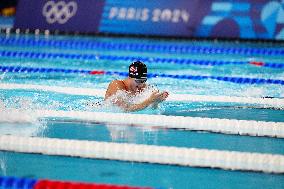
253, 19
62, 15
163, 17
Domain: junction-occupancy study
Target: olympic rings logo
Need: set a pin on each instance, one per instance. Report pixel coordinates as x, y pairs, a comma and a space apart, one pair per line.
59, 12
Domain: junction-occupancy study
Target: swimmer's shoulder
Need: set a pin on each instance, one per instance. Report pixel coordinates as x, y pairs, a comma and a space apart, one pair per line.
117, 84
113, 87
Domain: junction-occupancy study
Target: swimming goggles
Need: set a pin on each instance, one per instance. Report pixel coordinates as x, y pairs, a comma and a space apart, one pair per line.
140, 81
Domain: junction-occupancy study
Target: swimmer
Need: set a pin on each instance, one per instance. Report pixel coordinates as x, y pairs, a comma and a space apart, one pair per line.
133, 85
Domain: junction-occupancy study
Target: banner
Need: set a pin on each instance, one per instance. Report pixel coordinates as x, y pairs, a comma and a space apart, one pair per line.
253, 19
163, 17
62, 15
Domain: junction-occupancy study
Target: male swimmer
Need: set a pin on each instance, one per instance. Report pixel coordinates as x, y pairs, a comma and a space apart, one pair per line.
133, 85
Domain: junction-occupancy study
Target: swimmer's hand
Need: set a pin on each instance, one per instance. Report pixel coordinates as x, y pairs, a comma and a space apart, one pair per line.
165, 95
157, 96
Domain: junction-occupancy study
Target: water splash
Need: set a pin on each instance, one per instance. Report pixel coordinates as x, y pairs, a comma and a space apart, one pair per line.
254, 92
108, 105
21, 121
12, 115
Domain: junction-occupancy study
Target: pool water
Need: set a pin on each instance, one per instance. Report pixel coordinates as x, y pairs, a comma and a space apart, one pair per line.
104, 53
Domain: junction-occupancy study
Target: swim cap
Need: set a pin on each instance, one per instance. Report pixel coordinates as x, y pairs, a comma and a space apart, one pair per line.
138, 70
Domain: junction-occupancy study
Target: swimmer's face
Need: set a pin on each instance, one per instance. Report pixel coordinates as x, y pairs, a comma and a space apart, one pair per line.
138, 83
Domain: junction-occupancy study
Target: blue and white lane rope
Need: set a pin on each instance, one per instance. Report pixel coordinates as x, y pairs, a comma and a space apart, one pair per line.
193, 157
239, 80
144, 47
179, 61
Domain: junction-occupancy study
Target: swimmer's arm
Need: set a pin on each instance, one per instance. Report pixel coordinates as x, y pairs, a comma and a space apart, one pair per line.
140, 106
154, 99
155, 105
115, 86
132, 107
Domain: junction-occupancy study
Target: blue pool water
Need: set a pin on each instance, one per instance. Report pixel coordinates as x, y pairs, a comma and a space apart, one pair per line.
14, 50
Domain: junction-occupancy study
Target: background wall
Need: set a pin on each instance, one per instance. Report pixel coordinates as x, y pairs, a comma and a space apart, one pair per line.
252, 19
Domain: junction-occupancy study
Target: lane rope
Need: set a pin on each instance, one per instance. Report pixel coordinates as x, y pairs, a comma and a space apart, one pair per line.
230, 126
142, 47
180, 61
271, 102
17, 183
193, 157
226, 126
239, 80
8, 182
